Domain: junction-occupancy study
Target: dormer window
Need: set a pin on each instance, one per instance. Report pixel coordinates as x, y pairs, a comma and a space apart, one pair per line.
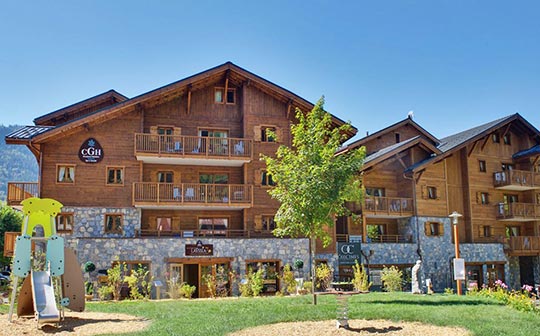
398, 137
495, 137
220, 97
506, 139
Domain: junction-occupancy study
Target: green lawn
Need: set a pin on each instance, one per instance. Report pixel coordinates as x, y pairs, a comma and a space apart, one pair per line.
218, 317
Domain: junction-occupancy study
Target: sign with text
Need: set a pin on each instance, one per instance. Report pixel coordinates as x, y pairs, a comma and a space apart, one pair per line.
459, 269
348, 253
199, 249
91, 151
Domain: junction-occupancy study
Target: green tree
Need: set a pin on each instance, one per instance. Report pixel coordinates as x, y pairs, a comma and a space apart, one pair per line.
10, 221
313, 182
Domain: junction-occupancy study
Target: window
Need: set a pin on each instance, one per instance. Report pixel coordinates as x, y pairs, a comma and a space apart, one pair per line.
113, 223
268, 223
212, 133
164, 224
495, 137
482, 166
115, 175
483, 198
398, 137
506, 139
165, 177
432, 192
434, 229
487, 231
219, 96
510, 198
266, 179
65, 174
214, 178
507, 166
375, 192
64, 223
165, 130
513, 231
268, 134
213, 226
270, 273
376, 232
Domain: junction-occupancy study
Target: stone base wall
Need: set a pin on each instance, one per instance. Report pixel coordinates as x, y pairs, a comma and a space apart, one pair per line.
90, 222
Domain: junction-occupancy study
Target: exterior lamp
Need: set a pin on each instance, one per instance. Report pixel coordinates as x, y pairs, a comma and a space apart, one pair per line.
459, 264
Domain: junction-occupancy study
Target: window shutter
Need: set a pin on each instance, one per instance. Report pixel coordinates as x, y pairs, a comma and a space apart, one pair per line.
481, 231
478, 197
176, 223
257, 177
177, 131
153, 129
152, 225
424, 192
258, 222
491, 233
279, 134
427, 229
441, 229
257, 133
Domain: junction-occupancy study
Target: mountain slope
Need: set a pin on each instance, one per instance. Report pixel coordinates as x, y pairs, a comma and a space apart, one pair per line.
17, 163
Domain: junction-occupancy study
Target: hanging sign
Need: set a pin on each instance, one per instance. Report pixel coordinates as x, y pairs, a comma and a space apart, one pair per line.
199, 249
91, 151
459, 269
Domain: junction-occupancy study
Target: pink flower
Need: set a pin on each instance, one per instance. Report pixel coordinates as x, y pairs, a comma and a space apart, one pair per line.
528, 288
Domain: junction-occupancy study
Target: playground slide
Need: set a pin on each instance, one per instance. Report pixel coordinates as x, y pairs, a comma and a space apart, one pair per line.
44, 300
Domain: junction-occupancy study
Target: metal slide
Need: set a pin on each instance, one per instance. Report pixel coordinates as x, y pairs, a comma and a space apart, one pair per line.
44, 299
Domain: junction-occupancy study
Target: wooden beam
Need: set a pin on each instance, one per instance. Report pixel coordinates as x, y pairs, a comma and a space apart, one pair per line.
399, 158
506, 131
227, 74
289, 107
485, 142
188, 109
419, 175
472, 148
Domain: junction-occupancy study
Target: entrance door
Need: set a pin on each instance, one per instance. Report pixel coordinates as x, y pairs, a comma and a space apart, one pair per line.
526, 270
191, 276
205, 269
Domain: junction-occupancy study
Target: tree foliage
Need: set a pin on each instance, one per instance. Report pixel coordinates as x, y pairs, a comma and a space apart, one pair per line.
313, 182
10, 221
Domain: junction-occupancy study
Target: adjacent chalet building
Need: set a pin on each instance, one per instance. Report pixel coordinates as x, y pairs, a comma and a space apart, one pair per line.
172, 180
490, 174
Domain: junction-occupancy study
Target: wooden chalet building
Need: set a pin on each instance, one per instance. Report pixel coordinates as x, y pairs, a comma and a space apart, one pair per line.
172, 179
144, 180
490, 174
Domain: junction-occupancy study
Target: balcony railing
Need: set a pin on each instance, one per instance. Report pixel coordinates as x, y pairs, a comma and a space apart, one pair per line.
524, 245
151, 193
19, 191
388, 206
218, 233
193, 146
383, 238
518, 211
516, 180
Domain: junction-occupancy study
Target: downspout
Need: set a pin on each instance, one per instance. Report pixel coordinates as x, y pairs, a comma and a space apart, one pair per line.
39, 162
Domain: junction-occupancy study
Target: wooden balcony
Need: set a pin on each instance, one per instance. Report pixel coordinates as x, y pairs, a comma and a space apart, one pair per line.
383, 238
518, 180
387, 207
225, 233
9, 243
519, 212
19, 191
522, 245
192, 150
196, 196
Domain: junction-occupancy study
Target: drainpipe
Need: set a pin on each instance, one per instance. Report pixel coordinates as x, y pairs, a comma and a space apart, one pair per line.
418, 250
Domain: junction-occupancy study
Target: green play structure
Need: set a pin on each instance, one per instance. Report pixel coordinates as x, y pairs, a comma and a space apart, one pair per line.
45, 292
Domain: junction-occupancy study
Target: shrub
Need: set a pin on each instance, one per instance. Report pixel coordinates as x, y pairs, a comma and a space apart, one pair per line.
105, 292
115, 279
360, 278
307, 286
391, 278
173, 285
187, 291
288, 279
257, 282
448, 291
323, 276
523, 300
89, 288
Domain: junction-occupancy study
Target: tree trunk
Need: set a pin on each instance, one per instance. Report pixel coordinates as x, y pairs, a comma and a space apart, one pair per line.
313, 241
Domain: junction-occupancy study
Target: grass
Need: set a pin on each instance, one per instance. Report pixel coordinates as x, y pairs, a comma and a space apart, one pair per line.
219, 317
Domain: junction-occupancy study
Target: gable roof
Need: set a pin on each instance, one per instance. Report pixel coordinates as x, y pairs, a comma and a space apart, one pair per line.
401, 123
110, 97
227, 69
394, 149
453, 143
21, 135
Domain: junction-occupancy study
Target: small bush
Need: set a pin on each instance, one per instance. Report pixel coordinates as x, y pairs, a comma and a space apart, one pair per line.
324, 276
289, 282
187, 291
391, 278
523, 300
307, 286
257, 282
360, 278
448, 291
105, 292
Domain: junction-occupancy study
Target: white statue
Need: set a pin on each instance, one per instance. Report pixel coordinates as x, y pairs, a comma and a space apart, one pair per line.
414, 278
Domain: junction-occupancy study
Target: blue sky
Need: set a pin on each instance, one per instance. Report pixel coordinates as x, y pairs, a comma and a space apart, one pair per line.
456, 64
